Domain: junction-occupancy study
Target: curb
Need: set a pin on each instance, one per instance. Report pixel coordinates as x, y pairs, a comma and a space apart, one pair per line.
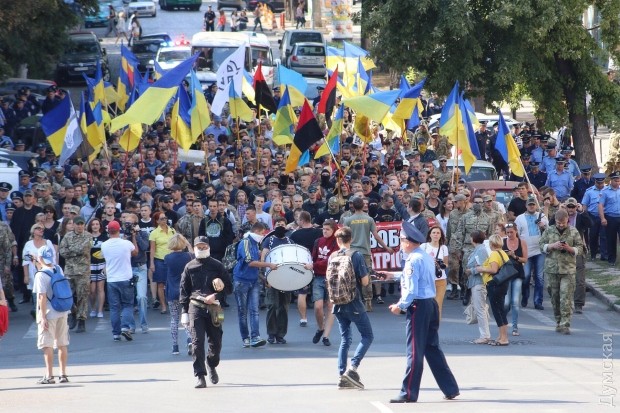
607, 299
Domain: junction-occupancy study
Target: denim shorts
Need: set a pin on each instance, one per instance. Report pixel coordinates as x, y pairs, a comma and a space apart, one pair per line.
319, 289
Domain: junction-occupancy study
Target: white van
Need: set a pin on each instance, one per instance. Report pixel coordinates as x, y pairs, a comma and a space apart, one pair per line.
215, 47
9, 172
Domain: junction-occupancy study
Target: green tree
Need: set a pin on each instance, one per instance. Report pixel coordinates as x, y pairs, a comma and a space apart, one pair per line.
491, 46
34, 33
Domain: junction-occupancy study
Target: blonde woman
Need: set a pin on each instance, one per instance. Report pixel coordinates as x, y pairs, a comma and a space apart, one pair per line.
121, 27
175, 262
158, 273
497, 292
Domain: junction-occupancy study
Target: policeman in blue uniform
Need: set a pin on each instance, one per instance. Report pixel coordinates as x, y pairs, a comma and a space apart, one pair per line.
418, 302
583, 183
560, 180
609, 211
536, 177
5, 188
590, 201
317, 99
548, 162
276, 95
571, 165
536, 150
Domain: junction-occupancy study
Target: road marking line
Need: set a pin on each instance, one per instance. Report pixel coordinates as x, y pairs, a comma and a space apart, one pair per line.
381, 407
539, 317
599, 321
102, 324
32, 331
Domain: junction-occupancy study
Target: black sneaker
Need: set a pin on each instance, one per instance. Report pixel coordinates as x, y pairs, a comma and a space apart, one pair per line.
201, 383
280, 340
326, 342
317, 336
213, 376
127, 335
345, 384
271, 340
353, 378
175, 349
156, 305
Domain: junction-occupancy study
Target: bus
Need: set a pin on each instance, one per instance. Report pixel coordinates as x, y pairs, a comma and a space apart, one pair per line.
215, 47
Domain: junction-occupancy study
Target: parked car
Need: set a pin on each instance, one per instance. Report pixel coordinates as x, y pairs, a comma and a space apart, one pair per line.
142, 8
480, 170
276, 6
38, 87
170, 57
308, 59
98, 18
81, 57
231, 4
164, 38
146, 51
503, 189
293, 36
192, 5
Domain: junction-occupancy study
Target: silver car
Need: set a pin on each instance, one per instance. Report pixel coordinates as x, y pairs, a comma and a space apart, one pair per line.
308, 59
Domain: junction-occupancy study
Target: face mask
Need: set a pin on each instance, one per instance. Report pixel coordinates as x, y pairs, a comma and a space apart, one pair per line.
178, 179
92, 202
256, 237
202, 254
159, 182
280, 232
477, 208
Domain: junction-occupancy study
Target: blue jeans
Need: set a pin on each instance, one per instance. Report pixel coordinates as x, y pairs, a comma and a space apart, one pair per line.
246, 294
140, 272
120, 300
513, 299
534, 264
361, 320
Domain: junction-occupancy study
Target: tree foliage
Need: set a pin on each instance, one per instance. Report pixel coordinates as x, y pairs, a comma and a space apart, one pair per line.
491, 46
34, 32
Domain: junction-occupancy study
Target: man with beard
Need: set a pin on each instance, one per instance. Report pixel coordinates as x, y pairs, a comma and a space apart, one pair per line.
333, 212
203, 283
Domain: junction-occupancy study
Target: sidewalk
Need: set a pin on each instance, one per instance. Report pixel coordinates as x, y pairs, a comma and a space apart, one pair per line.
604, 270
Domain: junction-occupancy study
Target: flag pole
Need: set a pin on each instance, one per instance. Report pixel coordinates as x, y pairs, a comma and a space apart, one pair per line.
239, 144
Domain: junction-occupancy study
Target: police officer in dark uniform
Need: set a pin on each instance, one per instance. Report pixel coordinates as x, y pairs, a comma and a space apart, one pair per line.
482, 137
51, 100
276, 95
317, 99
583, 183
536, 176
418, 302
204, 283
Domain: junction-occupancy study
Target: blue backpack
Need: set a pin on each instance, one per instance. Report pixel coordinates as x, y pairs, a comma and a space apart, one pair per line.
62, 296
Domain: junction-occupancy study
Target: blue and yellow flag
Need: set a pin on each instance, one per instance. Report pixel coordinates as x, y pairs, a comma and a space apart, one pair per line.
404, 85
456, 125
151, 104
126, 78
91, 124
199, 112
130, 139
295, 83
238, 108
55, 122
180, 120
507, 147
247, 87
352, 53
374, 106
332, 140
158, 71
284, 125
410, 106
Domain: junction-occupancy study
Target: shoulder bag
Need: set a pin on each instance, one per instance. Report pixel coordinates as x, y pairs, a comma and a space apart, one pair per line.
507, 272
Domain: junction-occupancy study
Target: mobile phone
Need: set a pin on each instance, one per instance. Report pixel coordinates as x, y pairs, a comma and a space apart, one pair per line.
563, 242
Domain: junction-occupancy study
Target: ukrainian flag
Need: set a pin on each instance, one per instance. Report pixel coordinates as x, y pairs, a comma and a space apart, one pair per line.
55, 122
131, 137
247, 86
126, 78
159, 71
410, 106
332, 140
295, 83
199, 112
284, 125
238, 108
151, 104
334, 58
180, 120
374, 106
506, 146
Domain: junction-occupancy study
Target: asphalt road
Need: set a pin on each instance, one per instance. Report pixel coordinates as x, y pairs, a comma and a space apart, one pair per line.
541, 371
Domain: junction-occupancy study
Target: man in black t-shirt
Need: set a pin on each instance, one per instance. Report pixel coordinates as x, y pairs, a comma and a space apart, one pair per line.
517, 205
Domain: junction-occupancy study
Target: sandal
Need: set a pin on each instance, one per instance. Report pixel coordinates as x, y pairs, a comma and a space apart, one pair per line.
46, 380
481, 341
497, 344
63, 379
515, 332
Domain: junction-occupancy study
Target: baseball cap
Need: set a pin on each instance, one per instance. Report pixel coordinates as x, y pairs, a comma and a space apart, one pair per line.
80, 220
114, 226
365, 179
201, 240
144, 190
571, 201
46, 254
531, 200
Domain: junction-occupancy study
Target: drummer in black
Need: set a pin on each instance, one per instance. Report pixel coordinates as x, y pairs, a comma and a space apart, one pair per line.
204, 281
306, 235
277, 301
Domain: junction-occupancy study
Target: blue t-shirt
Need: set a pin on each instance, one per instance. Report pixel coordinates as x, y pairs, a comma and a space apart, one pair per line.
176, 262
247, 251
361, 270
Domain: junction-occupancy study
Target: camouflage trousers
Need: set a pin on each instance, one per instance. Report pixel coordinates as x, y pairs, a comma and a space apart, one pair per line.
562, 289
7, 284
454, 269
367, 290
467, 250
80, 285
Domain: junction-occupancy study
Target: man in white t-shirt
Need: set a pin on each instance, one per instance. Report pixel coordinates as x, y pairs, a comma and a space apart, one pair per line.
117, 253
53, 329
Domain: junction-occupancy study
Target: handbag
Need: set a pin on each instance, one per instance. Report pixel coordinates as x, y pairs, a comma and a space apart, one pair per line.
217, 314
470, 314
507, 272
4, 319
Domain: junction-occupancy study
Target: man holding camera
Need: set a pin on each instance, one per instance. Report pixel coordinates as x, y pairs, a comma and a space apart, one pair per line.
561, 243
117, 253
203, 283
138, 266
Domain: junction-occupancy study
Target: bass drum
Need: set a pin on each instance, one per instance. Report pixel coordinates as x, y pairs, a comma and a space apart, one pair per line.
290, 274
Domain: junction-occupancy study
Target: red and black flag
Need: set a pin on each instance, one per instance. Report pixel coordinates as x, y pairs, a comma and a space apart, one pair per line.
328, 98
308, 132
264, 97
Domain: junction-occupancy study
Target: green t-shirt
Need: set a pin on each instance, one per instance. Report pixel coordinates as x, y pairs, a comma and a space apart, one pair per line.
362, 225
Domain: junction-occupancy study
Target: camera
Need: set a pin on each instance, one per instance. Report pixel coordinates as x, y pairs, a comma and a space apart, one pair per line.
441, 264
133, 281
127, 229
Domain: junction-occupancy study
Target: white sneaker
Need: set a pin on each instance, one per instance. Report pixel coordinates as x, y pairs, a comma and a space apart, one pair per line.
93, 314
99, 315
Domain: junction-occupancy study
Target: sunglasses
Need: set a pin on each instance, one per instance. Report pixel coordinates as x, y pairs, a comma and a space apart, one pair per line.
443, 161
509, 226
